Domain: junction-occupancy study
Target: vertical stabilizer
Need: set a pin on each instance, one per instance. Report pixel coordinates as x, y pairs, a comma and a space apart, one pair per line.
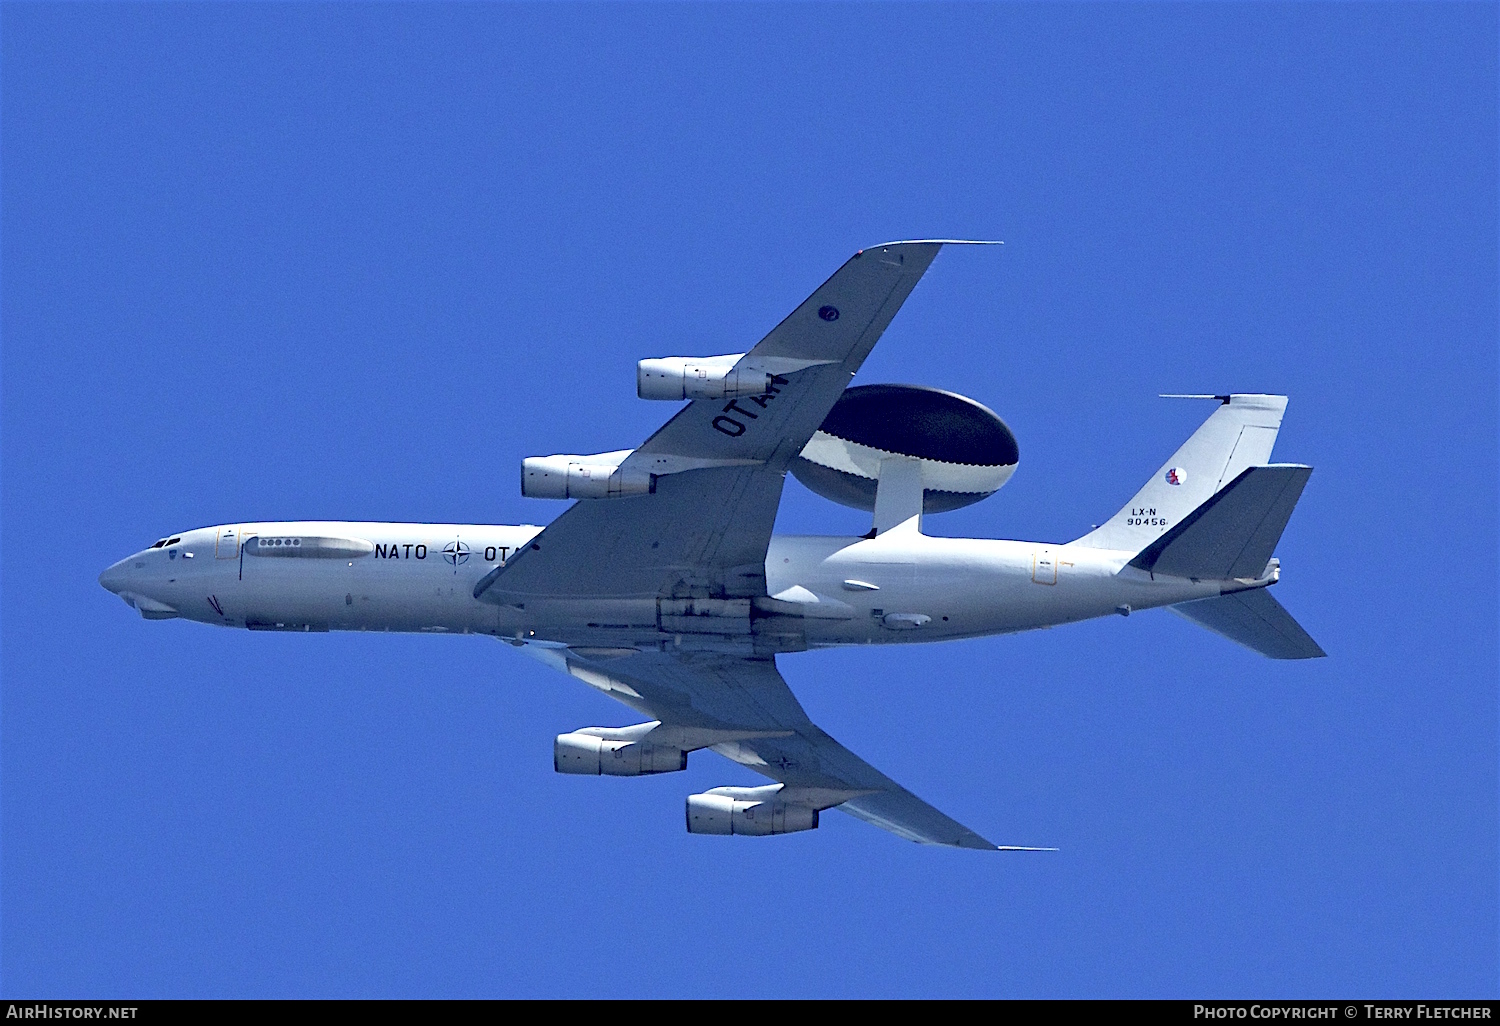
1239, 434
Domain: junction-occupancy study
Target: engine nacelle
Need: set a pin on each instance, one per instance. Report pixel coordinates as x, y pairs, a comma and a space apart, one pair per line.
747, 811
594, 756
698, 377
581, 477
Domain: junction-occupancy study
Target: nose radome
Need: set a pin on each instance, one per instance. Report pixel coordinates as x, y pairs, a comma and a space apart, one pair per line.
115, 578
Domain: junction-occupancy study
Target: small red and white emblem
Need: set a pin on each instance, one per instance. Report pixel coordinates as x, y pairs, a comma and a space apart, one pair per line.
1176, 476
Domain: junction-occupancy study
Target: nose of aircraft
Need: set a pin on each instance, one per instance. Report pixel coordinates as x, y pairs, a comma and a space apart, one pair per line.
117, 577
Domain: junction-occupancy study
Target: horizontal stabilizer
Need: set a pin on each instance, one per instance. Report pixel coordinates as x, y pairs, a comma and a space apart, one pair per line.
1254, 619
1234, 533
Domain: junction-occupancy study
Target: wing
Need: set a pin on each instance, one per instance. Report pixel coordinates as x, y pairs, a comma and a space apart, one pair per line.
702, 697
705, 531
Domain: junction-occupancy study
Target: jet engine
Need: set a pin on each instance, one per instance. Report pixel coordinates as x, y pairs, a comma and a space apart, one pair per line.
747, 811
698, 377
581, 477
965, 451
586, 752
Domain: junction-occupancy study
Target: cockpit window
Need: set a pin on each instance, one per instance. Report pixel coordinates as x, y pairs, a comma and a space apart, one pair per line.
174, 541
159, 544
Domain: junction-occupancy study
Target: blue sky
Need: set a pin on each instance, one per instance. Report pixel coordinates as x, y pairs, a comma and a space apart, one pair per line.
355, 262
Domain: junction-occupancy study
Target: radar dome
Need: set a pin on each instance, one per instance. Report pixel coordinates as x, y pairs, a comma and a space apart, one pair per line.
966, 451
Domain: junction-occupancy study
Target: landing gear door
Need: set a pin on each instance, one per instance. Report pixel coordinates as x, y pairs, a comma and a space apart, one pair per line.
228, 546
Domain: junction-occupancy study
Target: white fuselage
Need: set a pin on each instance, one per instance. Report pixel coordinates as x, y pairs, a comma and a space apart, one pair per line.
899, 587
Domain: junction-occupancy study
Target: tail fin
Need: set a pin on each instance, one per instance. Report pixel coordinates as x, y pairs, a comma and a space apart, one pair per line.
1254, 619
1239, 434
1234, 533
